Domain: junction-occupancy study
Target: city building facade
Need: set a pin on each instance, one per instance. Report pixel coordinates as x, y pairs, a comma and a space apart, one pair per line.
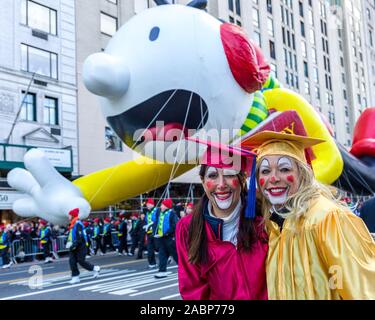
38, 87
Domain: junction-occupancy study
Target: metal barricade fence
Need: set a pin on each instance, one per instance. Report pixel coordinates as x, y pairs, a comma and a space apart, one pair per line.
30, 248
25, 248
59, 244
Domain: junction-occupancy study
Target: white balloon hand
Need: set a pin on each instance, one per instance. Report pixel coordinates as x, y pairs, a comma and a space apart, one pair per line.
49, 195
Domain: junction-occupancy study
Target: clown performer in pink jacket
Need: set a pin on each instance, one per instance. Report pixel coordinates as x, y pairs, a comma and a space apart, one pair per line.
222, 246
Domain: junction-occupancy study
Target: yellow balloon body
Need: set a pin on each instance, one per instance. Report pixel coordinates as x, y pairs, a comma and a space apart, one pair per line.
328, 164
126, 180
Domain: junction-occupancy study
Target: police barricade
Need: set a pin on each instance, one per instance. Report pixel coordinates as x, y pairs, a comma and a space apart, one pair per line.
59, 244
21, 249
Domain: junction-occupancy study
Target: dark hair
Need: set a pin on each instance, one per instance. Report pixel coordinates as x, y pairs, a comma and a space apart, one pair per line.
197, 238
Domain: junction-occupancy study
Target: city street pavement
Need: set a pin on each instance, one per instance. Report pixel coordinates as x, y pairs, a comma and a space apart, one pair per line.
121, 278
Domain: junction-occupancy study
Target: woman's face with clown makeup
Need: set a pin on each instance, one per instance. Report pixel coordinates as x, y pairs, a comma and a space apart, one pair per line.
223, 188
278, 178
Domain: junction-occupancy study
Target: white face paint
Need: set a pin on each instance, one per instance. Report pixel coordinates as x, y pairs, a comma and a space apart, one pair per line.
276, 200
223, 193
264, 165
282, 163
285, 163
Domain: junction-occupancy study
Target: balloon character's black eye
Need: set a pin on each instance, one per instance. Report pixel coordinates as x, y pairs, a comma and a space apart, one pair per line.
154, 33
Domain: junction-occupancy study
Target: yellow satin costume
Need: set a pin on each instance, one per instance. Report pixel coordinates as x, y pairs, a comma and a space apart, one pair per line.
328, 254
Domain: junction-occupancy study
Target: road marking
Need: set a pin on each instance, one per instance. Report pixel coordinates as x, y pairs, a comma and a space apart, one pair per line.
138, 285
112, 285
68, 272
121, 292
24, 271
86, 275
171, 296
71, 286
152, 290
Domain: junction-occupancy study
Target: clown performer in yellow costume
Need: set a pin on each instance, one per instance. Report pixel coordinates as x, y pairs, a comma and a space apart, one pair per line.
318, 249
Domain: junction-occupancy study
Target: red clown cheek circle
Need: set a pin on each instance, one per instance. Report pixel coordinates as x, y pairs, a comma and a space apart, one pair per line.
261, 182
290, 179
234, 183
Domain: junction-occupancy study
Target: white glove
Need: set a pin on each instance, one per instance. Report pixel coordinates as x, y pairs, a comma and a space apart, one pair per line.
48, 194
146, 227
69, 244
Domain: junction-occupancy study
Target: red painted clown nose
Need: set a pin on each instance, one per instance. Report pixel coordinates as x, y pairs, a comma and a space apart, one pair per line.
364, 135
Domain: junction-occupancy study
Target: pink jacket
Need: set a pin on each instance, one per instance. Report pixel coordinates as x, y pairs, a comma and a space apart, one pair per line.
228, 275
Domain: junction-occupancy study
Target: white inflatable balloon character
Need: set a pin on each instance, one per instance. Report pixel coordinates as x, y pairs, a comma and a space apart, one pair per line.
170, 71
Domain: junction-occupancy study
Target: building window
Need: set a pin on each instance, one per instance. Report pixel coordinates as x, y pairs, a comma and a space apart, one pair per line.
39, 61
238, 7
230, 5
112, 142
306, 69
312, 37
274, 70
271, 31
300, 8
269, 6
28, 108
311, 17
257, 39
272, 50
50, 111
302, 29
317, 93
304, 51
38, 17
307, 87
255, 17
108, 24
316, 75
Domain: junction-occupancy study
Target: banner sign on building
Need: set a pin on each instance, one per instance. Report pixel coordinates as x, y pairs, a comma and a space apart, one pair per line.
8, 197
58, 157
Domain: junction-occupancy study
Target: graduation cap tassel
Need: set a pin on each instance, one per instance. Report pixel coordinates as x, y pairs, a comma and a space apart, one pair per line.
251, 194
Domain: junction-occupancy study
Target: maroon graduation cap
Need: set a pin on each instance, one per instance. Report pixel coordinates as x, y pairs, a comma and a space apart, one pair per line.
220, 155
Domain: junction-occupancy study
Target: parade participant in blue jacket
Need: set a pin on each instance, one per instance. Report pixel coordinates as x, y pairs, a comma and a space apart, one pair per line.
77, 244
165, 236
107, 235
89, 231
123, 235
45, 236
4, 247
97, 236
150, 227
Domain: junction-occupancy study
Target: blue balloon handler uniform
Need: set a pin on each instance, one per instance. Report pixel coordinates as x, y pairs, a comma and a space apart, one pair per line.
165, 236
107, 235
45, 236
4, 246
77, 244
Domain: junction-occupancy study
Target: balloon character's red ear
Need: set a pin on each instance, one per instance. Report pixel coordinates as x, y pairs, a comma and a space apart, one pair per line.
245, 59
